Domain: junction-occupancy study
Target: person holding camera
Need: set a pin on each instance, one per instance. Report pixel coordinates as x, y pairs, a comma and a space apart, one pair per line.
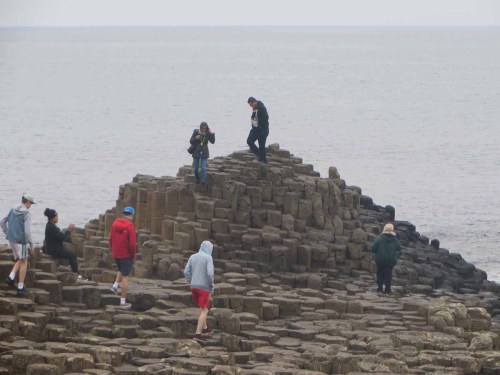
199, 145
53, 244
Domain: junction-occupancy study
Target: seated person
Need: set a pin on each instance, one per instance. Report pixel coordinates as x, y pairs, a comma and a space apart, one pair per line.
54, 238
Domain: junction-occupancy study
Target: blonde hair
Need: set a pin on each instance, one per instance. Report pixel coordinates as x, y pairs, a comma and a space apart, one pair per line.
388, 228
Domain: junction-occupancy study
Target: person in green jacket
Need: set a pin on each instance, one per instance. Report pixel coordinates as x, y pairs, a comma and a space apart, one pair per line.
385, 248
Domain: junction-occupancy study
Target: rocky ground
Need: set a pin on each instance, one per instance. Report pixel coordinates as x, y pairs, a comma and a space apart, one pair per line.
295, 290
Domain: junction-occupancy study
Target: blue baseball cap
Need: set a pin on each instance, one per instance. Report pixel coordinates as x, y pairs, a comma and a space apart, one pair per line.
129, 210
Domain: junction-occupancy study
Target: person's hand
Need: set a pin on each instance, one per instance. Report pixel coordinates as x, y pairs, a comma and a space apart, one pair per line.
197, 137
71, 227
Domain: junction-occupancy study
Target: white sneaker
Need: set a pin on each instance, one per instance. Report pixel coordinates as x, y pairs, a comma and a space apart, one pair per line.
81, 278
114, 290
125, 306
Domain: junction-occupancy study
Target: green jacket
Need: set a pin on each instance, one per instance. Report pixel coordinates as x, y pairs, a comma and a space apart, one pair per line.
385, 248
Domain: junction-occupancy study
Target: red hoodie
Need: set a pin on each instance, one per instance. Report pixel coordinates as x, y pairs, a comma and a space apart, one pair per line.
122, 239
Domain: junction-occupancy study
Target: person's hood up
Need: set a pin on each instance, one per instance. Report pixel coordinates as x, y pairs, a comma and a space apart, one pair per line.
388, 237
122, 225
20, 210
206, 247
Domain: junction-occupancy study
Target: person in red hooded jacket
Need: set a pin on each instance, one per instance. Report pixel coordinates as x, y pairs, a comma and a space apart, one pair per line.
122, 241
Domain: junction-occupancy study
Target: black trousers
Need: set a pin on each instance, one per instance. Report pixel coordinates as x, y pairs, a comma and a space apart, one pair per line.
65, 254
260, 135
384, 277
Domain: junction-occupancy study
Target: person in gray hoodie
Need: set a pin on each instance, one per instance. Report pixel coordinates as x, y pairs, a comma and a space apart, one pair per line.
17, 228
199, 273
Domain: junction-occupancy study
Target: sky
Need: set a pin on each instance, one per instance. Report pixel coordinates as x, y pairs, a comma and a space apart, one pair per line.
253, 12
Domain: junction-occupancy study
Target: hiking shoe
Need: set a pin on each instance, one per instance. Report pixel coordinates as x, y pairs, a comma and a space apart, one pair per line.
21, 292
10, 282
389, 293
207, 330
114, 290
125, 306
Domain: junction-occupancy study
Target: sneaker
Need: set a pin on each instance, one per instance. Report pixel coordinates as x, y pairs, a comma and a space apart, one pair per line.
114, 290
125, 306
10, 282
198, 336
389, 293
207, 330
81, 278
21, 292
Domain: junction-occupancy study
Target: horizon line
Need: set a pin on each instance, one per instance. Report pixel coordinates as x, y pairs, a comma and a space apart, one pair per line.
251, 26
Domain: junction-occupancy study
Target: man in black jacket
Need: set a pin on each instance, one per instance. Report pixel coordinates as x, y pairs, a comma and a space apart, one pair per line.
260, 128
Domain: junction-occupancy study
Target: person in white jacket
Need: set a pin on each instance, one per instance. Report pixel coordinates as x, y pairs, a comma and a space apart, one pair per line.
199, 273
17, 228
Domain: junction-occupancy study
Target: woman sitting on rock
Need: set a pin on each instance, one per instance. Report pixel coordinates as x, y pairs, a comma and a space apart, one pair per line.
199, 140
54, 239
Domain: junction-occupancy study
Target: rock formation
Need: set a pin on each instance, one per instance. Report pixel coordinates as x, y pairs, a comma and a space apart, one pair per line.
295, 290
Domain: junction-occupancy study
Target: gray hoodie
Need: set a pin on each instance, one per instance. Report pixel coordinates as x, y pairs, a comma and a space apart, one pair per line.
199, 271
17, 225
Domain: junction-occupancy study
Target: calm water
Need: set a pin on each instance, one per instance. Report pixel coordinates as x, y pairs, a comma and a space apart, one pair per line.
411, 115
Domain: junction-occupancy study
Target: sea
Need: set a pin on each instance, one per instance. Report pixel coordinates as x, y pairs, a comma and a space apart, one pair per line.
411, 115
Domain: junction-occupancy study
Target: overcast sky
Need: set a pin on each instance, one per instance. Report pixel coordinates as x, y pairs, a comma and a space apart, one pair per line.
252, 12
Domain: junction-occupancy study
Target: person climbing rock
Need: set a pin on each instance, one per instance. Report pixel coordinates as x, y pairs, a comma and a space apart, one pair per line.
122, 241
17, 228
199, 273
260, 128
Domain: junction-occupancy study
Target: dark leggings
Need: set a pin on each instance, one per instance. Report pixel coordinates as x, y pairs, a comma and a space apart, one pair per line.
384, 277
65, 254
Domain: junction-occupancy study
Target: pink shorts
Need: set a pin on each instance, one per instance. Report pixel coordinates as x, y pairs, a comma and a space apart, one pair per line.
201, 297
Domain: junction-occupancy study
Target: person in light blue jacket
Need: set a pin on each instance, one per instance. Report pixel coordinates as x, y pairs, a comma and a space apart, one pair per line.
17, 228
199, 273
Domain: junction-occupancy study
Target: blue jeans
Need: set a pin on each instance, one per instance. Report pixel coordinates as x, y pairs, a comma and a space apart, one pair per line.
196, 166
260, 135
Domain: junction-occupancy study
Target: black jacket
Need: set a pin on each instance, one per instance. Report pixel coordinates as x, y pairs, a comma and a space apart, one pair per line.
201, 150
54, 238
262, 116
